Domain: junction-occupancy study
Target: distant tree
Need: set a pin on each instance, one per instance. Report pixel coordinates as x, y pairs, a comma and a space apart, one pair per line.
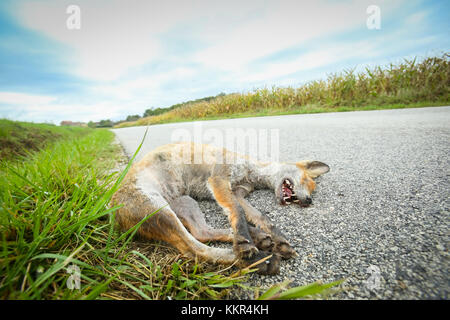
105, 124
133, 117
155, 112
92, 124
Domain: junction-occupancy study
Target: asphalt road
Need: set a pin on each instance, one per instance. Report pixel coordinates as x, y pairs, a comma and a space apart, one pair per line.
380, 217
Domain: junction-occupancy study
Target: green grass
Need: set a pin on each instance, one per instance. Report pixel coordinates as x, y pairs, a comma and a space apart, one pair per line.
410, 83
280, 291
54, 215
19, 138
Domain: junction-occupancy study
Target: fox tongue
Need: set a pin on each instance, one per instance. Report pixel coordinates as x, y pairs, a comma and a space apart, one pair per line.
288, 192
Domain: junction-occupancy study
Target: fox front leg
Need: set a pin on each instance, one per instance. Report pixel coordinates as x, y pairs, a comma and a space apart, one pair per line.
243, 244
259, 219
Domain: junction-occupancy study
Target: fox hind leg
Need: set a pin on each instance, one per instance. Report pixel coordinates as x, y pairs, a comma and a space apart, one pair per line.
190, 214
164, 225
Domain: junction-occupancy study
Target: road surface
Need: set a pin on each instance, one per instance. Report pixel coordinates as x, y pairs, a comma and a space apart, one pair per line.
380, 217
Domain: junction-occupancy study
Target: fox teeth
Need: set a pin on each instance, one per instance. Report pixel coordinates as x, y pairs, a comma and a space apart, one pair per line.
287, 182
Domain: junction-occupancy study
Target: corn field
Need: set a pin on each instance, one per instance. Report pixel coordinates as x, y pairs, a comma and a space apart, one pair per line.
404, 83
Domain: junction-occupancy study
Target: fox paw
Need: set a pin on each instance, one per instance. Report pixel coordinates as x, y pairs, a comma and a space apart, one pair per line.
263, 241
284, 249
245, 249
270, 266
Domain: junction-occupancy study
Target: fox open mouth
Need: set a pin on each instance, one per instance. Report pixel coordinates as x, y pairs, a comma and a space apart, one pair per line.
288, 195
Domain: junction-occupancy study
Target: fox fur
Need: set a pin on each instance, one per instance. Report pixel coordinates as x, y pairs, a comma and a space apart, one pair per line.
169, 180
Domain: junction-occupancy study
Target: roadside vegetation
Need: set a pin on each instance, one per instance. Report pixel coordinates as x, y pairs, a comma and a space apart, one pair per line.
21, 138
56, 224
411, 83
149, 112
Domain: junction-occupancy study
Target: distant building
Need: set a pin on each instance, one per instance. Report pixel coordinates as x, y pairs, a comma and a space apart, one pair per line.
72, 123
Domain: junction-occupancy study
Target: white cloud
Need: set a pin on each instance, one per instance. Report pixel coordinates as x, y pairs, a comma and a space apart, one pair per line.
57, 112
144, 87
118, 35
417, 18
16, 98
114, 36
317, 58
117, 38
285, 24
39, 108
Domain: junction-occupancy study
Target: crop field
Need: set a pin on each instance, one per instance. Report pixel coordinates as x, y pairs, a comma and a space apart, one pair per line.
411, 83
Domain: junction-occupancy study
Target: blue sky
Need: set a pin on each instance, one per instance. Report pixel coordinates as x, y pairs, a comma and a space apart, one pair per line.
131, 55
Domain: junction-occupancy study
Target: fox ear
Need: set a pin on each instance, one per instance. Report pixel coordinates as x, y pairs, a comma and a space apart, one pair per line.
313, 168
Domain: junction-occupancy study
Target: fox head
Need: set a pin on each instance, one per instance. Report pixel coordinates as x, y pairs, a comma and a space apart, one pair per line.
294, 181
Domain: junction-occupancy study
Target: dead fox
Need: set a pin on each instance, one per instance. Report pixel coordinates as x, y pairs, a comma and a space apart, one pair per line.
163, 180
